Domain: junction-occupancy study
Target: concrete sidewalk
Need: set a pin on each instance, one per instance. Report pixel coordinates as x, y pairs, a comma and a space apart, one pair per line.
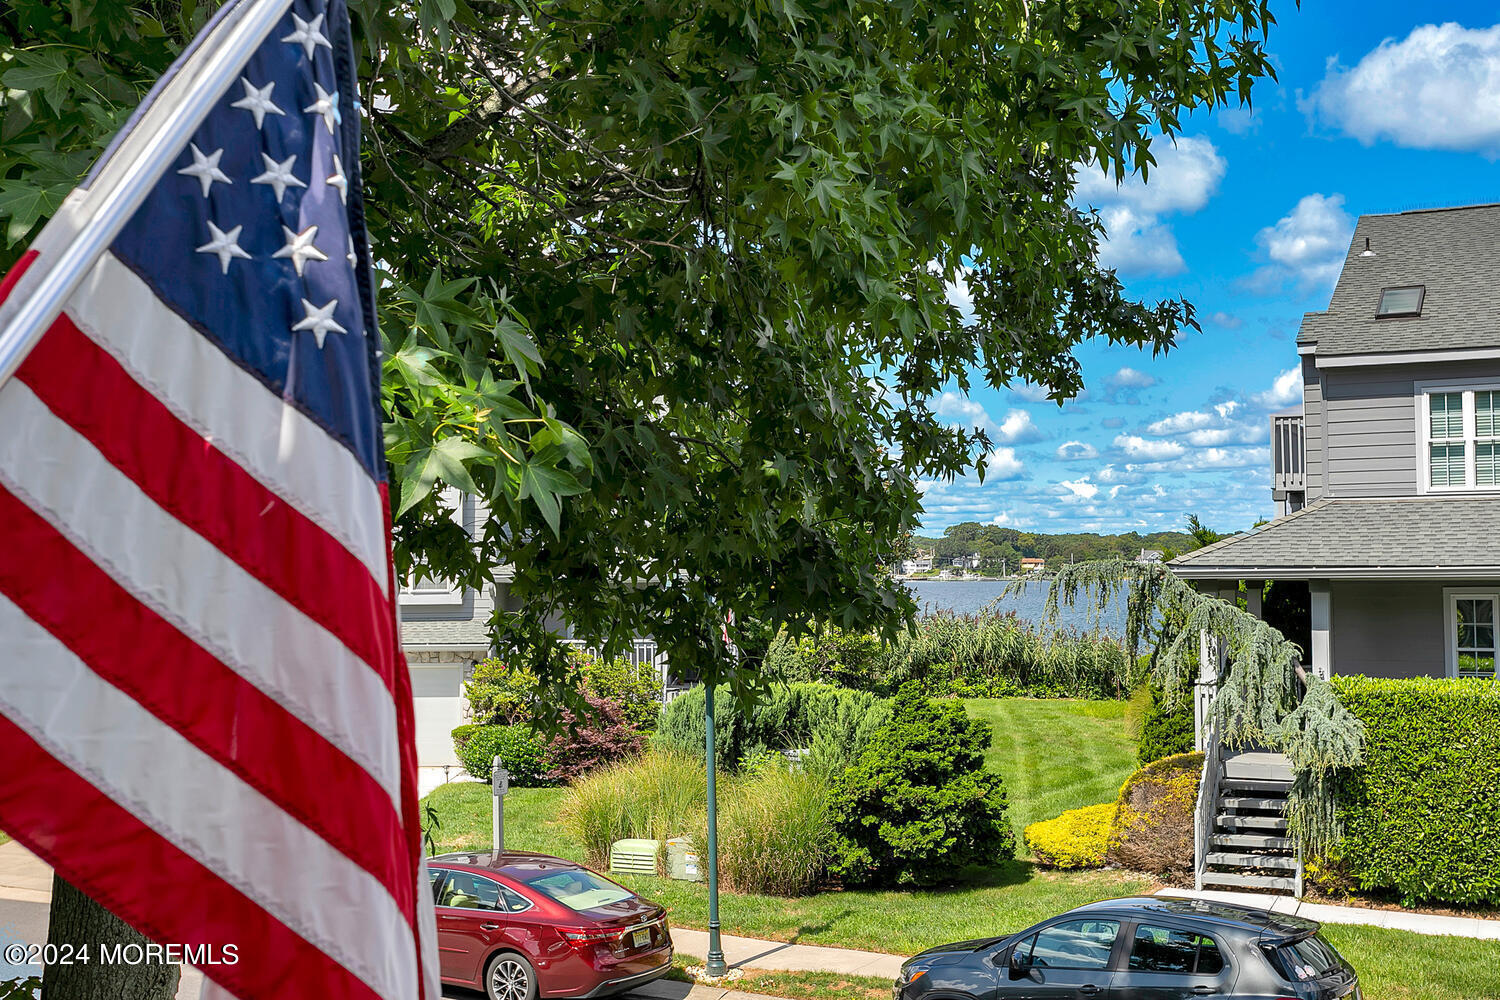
779, 956
1324, 913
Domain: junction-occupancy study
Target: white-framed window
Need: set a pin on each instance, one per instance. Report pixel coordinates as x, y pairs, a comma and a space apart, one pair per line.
1459, 437
1471, 617
441, 593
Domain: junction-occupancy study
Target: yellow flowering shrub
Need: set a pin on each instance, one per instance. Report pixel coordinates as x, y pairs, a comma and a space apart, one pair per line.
1076, 839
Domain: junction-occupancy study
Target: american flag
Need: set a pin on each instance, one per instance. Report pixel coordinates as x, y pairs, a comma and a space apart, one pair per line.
205, 717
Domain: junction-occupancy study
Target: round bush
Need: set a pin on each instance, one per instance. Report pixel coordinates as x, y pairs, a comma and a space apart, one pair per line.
1153, 823
1166, 732
1076, 839
521, 752
918, 806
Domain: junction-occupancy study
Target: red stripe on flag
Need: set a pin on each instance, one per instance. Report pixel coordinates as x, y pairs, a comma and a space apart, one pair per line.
14, 274
207, 491
165, 894
186, 687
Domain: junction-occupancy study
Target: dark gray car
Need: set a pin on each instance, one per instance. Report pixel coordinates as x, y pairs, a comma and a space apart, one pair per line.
1139, 948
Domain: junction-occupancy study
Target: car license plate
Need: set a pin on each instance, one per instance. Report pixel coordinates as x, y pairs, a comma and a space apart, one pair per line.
641, 938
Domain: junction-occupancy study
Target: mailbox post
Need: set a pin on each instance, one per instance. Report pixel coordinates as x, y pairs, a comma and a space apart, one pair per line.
500, 784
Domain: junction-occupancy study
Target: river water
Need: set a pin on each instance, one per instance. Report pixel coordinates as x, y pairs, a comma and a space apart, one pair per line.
969, 596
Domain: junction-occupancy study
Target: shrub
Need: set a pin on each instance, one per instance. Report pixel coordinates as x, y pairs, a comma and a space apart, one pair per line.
830, 656
775, 836
658, 795
500, 694
603, 737
635, 687
1164, 731
522, 752
1421, 815
918, 805
835, 723
1076, 839
1153, 821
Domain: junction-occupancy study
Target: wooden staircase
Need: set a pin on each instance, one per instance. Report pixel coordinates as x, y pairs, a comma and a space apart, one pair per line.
1248, 846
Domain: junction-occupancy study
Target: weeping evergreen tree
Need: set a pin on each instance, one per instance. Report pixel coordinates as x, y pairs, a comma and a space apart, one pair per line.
1263, 697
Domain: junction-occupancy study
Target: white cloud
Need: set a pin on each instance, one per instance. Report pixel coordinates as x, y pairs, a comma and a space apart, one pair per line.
1227, 321
1186, 175
1438, 88
1285, 391
1001, 519
1307, 245
1080, 488
1018, 428
1229, 458
1002, 464
1072, 451
957, 408
1232, 434
1180, 423
1131, 379
1151, 451
960, 296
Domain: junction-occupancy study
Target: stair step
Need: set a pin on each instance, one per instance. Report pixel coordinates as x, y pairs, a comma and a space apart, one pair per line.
1256, 841
1241, 802
1227, 860
1256, 785
1231, 822
1288, 885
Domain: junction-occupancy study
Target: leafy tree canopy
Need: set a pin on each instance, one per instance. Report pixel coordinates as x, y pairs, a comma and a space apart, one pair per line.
667, 282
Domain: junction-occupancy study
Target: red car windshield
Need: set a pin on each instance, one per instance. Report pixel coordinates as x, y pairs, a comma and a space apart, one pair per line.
579, 889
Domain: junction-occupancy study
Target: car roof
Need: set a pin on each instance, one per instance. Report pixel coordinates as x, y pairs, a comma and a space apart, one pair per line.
516, 864
1263, 923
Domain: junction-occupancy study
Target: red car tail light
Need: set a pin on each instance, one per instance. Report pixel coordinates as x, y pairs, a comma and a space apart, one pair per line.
581, 938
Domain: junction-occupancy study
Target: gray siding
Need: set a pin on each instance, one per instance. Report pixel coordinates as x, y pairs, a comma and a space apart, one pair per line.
1392, 628
1312, 421
1370, 428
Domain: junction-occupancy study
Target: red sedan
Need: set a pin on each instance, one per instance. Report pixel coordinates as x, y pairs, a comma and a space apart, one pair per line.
522, 926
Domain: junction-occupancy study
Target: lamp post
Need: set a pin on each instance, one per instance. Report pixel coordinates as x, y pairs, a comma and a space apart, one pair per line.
715, 965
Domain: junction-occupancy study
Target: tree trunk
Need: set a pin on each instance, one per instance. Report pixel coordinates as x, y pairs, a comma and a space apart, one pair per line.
76, 921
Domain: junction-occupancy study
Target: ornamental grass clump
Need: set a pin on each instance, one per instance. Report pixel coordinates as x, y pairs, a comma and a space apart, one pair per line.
775, 834
658, 795
918, 806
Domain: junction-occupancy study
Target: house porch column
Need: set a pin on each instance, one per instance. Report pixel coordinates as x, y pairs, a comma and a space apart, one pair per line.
1212, 655
1322, 627
1254, 591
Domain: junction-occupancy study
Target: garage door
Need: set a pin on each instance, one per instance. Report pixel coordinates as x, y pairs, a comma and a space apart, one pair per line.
437, 695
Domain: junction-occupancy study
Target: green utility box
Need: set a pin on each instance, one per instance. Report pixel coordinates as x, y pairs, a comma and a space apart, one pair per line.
682, 860
634, 856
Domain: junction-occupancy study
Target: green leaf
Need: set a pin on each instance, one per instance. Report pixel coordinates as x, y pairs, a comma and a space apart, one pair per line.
441, 462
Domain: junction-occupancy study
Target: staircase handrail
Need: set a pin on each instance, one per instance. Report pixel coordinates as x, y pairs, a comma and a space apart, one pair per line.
1208, 802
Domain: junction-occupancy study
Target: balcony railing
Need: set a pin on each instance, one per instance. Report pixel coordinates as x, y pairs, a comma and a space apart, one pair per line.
643, 652
1288, 452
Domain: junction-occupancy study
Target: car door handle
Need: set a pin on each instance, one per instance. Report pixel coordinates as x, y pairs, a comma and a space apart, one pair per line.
1089, 989
1203, 991
489, 927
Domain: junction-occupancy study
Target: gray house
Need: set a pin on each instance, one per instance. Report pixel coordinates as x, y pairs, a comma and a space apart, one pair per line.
1387, 485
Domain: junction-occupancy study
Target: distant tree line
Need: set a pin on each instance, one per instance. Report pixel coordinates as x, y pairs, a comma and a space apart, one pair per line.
997, 546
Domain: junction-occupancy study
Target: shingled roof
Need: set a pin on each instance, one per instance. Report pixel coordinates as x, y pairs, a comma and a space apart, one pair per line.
1454, 252
1374, 537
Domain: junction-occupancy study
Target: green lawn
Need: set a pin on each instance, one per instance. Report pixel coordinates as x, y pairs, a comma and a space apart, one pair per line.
1056, 755
1400, 965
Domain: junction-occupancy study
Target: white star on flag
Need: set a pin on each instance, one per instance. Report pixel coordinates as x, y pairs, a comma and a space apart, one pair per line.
226, 245
258, 102
338, 180
278, 175
308, 34
205, 168
326, 105
320, 321
299, 248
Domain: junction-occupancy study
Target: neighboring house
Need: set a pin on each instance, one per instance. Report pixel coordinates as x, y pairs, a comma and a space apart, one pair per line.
920, 562
970, 561
1150, 556
1387, 481
1030, 564
445, 631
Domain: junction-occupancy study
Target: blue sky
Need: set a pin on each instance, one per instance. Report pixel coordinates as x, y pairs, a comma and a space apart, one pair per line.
1380, 107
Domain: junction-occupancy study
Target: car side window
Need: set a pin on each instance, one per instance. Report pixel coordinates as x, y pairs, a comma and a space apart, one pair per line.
1074, 944
512, 901
470, 892
1169, 949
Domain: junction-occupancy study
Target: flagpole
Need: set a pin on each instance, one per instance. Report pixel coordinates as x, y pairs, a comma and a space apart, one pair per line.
92, 217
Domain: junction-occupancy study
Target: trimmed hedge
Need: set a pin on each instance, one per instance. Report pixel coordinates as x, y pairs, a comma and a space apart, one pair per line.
1422, 814
521, 751
1076, 839
1165, 733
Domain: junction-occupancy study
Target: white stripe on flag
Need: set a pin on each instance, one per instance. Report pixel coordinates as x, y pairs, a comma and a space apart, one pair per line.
205, 809
191, 584
278, 445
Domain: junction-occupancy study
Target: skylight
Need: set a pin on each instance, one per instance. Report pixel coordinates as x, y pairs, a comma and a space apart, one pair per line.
1403, 301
